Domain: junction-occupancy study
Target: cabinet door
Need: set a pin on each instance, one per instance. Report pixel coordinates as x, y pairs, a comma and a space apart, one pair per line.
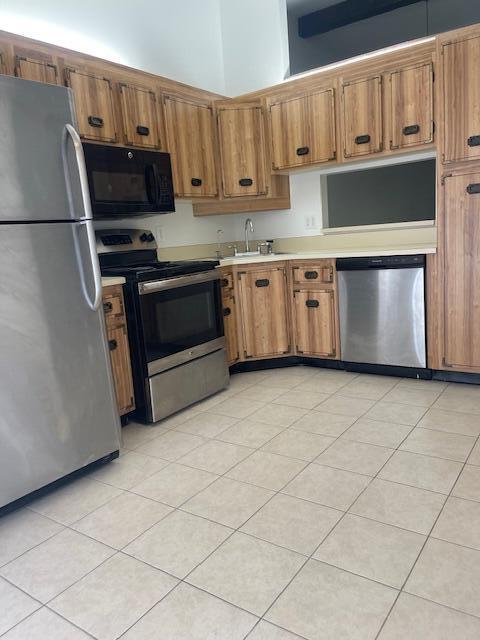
190, 134
264, 312
93, 104
462, 271
3, 66
362, 117
315, 323
303, 130
230, 326
38, 70
412, 106
461, 134
241, 132
140, 119
121, 367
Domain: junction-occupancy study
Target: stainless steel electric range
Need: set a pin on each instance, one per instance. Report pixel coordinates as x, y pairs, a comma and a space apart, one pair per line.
175, 322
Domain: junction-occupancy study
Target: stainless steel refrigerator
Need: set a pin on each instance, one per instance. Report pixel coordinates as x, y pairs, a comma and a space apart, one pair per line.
57, 403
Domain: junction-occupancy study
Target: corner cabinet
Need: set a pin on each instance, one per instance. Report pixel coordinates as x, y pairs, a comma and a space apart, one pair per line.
362, 116
241, 135
461, 260
117, 335
191, 142
94, 105
303, 129
263, 312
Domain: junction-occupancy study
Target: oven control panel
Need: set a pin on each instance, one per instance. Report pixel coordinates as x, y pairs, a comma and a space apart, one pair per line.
115, 240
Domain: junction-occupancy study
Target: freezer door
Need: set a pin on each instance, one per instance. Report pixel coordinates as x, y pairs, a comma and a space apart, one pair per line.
33, 146
382, 317
58, 410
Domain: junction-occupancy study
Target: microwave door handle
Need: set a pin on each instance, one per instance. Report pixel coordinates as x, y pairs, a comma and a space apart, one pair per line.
86, 220
151, 182
157, 186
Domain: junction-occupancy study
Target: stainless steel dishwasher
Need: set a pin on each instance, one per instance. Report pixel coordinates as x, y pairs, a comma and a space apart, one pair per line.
382, 310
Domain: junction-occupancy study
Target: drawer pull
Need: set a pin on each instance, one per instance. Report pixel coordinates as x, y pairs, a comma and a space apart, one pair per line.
473, 141
312, 304
473, 188
245, 182
196, 182
224, 282
303, 151
95, 121
143, 131
227, 311
107, 306
112, 345
365, 139
411, 129
264, 282
311, 275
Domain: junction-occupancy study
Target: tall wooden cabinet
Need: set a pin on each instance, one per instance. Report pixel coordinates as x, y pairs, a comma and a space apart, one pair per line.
94, 105
303, 129
241, 134
263, 311
117, 335
191, 136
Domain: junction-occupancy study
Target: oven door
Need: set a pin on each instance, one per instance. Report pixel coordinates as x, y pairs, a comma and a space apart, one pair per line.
128, 181
181, 319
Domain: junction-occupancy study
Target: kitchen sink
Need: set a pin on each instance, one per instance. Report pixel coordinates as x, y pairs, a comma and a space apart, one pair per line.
256, 254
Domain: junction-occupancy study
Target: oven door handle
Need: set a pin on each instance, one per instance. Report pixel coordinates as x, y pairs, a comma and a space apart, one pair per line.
176, 282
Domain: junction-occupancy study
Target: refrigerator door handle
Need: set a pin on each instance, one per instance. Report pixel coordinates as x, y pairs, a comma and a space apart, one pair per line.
70, 134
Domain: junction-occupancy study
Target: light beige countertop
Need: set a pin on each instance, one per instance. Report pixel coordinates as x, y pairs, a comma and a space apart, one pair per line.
108, 282
335, 253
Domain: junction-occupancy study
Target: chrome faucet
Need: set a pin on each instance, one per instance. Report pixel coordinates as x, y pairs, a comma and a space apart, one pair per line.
248, 226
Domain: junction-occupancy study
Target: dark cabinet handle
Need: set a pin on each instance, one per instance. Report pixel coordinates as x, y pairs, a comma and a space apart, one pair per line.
264, 282
143, 131
303, 151
95, 121
196, 182
112, 345
411, 129
245, 182
473, 141
311, 275
224, 282
365, 139
312, 304
227, 311
107, 306
473, 188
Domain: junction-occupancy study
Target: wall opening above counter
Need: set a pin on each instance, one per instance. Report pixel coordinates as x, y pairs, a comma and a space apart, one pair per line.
385, 196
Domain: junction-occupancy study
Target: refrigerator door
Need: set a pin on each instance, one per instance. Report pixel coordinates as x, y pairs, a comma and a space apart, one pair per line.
35, 147
57, 401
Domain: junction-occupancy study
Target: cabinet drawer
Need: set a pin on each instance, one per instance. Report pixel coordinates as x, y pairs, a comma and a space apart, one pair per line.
313, 274
113, 308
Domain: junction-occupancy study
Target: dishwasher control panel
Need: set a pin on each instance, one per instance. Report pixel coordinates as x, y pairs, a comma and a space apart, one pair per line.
380, 262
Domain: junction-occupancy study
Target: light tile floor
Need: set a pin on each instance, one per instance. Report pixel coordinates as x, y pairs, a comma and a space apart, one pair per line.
300, 503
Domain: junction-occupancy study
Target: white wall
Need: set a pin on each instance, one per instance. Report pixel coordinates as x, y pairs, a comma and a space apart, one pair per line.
255, 44
180, 39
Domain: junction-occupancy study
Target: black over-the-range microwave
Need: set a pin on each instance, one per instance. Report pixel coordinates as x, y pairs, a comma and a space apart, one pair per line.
128, 182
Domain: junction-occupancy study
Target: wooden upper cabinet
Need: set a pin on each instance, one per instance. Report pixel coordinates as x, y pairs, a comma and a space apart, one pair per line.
461, 94
3, 66
303, 130
93, 104
462, 271
241, 131
36, 69
191, 143
362, 116
263, 301
411, 99
140, 116
315, 322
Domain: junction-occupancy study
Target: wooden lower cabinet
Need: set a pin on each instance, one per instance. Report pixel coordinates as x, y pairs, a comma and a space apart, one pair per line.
230, 327
117, 336
263, 312
314, 320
